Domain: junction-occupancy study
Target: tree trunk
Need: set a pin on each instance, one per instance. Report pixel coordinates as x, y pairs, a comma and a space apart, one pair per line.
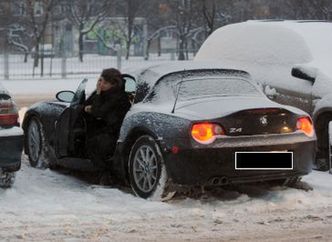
128, 43
148, 44
80, 47
181, 49
36, 56
159, 46
25, 57
186, 50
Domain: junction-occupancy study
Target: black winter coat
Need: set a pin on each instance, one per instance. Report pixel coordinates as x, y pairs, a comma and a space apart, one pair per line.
108, 111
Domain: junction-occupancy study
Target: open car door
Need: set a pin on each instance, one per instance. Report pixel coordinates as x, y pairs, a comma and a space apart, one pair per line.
64, 127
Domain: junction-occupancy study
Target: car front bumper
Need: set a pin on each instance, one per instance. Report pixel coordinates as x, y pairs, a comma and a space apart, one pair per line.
215, 164
11, 146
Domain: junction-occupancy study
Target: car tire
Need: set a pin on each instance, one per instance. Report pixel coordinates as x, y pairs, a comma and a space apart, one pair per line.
323, 133
146, 169
6, 179
37, 147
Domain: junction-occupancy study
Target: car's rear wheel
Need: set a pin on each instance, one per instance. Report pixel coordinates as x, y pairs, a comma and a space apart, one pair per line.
6, 179
36, 145
146, 169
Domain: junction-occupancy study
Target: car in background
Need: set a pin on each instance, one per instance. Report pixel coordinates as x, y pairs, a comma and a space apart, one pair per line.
11, 139
191, 124
292, 62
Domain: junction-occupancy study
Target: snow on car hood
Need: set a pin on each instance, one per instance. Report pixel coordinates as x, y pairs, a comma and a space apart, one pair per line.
211, 108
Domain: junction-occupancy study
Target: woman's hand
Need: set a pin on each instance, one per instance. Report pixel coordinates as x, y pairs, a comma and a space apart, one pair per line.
87, 109
98, 86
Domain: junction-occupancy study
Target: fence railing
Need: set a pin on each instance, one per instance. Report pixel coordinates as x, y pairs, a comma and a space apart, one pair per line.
14, 66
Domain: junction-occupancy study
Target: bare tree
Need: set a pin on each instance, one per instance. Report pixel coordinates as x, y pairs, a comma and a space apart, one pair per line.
84, 15
209, 10
15, 33
184, 15
5, 19
321, 9
39, 12
130, 10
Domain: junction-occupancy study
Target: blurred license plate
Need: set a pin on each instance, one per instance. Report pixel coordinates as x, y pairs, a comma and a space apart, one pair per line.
270, 160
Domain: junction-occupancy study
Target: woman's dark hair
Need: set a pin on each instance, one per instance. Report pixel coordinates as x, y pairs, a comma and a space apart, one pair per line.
112, 76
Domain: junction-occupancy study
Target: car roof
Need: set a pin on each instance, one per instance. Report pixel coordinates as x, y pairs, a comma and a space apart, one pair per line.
293, 41
316, 34
153, 73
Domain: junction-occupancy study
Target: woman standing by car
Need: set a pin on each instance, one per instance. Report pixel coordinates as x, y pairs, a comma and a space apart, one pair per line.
106, 109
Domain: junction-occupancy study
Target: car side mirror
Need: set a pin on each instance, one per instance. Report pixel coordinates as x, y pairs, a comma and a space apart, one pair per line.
304, 73
129, 83
65, 96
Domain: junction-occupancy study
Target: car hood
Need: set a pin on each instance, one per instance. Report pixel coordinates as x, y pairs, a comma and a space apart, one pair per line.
211, 108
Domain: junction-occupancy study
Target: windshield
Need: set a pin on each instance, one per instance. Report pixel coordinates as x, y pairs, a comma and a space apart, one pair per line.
202, 87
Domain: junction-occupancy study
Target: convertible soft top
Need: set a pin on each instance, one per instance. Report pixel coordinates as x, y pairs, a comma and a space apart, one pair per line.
150, 75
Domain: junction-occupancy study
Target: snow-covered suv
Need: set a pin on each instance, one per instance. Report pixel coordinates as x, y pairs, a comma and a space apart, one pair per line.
291, 60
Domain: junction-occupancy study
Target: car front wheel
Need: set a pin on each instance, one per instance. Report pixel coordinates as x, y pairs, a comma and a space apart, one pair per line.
35, 143
146, 169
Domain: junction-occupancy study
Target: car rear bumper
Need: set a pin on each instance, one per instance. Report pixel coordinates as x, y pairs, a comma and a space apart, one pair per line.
11, 146
216, 165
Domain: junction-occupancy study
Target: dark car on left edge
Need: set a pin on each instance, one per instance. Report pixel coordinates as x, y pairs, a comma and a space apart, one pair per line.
191, 124
11, 139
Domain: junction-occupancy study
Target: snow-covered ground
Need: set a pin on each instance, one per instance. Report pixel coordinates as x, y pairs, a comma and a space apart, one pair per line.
92, 64
47, 205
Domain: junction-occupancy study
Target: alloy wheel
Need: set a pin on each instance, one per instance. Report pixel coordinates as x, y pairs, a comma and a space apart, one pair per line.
34, 141
145, 168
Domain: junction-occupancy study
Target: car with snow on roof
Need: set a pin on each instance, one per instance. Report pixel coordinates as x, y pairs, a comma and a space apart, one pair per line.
191, 124
11, 139
292, 62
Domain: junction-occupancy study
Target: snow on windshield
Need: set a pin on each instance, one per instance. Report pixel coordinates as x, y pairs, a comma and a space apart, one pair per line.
202, 87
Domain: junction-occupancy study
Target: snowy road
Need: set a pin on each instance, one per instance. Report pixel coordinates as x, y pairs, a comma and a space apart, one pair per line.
46, 205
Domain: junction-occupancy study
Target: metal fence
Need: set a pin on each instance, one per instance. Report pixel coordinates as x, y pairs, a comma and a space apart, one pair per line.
14, 66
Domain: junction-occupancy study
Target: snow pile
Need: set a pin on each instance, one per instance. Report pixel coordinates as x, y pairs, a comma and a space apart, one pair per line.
37, 194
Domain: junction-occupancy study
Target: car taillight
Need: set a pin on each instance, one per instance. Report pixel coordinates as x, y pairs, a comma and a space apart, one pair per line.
205, 133
8, 119
304, 124
8, 113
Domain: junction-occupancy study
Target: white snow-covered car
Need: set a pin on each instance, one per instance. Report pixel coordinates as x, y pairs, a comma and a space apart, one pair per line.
291, 60
11, 139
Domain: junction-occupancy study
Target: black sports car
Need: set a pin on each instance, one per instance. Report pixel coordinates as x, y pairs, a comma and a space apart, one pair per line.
11, 139
190, 124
